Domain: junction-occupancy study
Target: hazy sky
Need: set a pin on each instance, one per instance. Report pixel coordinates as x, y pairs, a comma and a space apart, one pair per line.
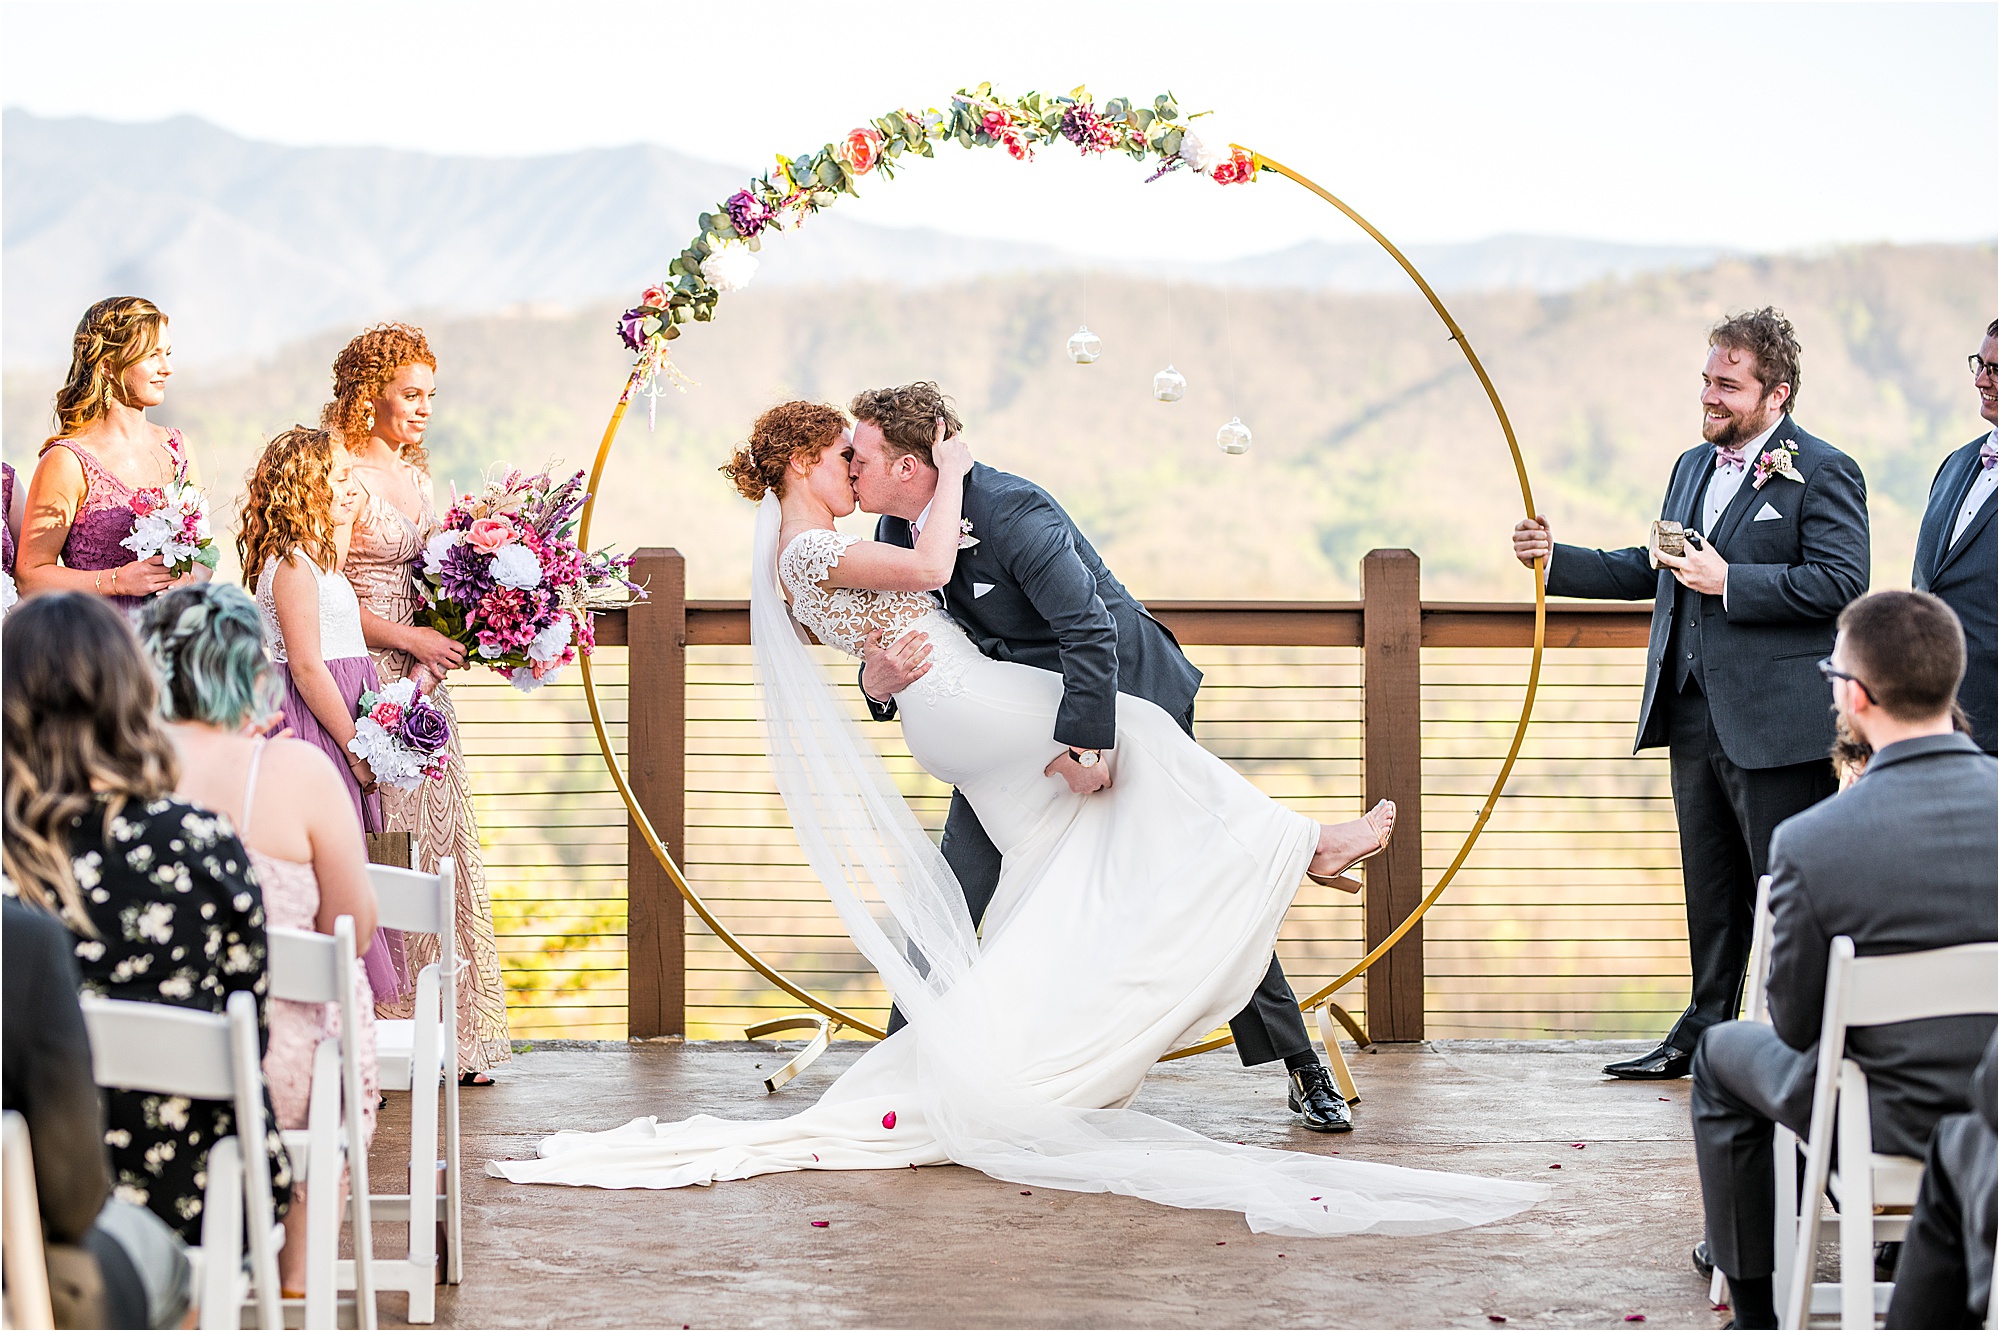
1759, 126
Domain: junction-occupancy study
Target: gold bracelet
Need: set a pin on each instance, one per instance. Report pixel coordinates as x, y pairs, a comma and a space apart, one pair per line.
97, 582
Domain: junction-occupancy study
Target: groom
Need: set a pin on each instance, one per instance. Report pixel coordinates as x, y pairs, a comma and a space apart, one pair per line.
1029, 588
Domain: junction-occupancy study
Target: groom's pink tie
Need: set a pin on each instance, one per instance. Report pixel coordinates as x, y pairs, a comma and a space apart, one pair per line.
1728, 458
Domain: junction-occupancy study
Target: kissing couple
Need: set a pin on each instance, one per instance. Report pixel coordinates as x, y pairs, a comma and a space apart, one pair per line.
1107, 890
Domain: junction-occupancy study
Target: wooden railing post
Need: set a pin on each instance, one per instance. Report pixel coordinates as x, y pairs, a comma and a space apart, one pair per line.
1392, 758
656, 758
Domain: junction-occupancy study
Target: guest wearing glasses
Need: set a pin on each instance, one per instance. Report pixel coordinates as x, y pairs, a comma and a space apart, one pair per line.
1776, 546
1956, 553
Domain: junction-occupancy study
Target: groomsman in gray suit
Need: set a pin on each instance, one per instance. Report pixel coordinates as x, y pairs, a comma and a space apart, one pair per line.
1902, 861
1956, 554
1777, 545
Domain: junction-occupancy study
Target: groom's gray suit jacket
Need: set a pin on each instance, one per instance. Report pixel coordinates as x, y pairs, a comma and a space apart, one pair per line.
1033, 590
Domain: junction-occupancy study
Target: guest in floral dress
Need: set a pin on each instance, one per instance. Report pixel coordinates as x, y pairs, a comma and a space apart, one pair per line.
383, 383
159, 893
104, 451
284, 796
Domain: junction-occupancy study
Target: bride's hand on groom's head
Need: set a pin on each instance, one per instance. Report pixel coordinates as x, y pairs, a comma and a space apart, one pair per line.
951, 455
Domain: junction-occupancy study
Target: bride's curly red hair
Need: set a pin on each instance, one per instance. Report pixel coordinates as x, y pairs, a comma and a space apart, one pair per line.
789, 430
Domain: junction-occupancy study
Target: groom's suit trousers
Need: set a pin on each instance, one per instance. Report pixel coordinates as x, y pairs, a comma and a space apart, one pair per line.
1270, 1025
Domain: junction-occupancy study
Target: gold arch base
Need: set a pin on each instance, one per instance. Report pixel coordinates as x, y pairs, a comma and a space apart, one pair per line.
1321, 998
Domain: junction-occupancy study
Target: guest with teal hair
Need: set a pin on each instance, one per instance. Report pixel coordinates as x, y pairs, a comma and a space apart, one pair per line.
219, 694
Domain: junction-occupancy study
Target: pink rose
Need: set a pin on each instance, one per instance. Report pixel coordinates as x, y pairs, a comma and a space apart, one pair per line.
859, 151
386, 715
656, 297
1240, 169
489, 534
147, 502
994, 123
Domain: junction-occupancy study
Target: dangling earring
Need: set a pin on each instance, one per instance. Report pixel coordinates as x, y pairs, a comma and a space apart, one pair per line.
368, 422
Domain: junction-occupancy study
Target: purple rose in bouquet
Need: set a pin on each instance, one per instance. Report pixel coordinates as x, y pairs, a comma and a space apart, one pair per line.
630, 328
747, 213
424, 727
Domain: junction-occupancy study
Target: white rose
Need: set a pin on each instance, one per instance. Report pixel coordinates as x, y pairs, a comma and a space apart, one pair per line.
1204, 149
729, 269
549, 643
436, 548
515, 566
524, 680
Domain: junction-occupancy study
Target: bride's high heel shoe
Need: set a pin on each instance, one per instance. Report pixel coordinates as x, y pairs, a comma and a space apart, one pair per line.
1382, 819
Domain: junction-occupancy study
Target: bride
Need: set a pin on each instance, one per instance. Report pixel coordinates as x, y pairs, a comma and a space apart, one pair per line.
1127, 922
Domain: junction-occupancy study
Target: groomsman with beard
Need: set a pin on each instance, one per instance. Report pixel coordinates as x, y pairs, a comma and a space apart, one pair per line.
1956, 555
1777, 545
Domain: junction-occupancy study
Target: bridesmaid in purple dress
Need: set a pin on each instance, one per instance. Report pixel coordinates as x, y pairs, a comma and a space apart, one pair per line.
104, 451
11, 497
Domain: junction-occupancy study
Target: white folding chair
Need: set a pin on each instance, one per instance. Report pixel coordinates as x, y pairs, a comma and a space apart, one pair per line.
21, 1256
417, 1055
1874, 1190
1784, 1143
210, 1057
311, 968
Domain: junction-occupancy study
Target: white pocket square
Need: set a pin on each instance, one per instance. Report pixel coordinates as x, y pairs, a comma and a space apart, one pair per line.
980, 589
1766, 514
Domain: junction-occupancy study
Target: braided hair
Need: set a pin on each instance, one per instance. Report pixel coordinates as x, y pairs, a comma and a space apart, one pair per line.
206, 642
113, 336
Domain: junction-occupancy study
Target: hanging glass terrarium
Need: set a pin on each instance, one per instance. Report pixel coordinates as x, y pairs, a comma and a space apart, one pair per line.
1169, 385
1234, 437
1084, 346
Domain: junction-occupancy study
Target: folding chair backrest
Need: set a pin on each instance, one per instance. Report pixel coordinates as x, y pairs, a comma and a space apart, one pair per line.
1939, 982
160, 1048
411, 900
304, 966
1758, 1008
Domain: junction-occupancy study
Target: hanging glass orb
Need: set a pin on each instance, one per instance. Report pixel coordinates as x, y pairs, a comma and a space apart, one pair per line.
1084, 346
1169, 384
1234, 437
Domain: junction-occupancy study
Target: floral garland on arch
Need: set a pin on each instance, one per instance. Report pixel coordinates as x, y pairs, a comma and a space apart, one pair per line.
722, 256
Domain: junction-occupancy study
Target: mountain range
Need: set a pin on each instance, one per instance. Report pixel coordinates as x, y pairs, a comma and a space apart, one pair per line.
251, 245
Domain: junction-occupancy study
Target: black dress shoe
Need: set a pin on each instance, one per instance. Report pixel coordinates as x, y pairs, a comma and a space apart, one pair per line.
1665, 1062
1702, 1262
1312, 1095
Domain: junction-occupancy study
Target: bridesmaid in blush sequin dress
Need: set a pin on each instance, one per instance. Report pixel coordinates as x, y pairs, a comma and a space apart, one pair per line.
383, 382
105, 451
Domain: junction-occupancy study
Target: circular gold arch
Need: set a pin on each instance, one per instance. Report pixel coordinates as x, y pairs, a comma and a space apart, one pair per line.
1324, 994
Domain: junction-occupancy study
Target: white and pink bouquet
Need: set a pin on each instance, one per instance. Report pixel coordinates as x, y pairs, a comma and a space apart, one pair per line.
172, 521
506, 579
402, 736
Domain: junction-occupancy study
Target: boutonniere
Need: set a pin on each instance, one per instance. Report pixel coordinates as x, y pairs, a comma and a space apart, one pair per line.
966, 541
1777, 462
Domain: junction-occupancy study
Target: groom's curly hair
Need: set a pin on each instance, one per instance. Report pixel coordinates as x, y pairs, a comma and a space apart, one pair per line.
907, 416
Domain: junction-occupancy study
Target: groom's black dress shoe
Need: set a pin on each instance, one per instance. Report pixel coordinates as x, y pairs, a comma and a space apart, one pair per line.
1664, 1062
1702, 1262
1312, 1095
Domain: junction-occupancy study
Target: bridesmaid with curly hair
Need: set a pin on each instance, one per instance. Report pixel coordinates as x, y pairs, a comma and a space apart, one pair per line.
103, 453
383, 385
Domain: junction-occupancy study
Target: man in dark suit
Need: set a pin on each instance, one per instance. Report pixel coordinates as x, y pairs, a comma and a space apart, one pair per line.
1945, 1275
1902, 861
1777, 546
1029, 588
1956, 554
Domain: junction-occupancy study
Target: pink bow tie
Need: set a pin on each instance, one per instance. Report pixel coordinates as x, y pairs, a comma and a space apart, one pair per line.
1732, 458
1988, 454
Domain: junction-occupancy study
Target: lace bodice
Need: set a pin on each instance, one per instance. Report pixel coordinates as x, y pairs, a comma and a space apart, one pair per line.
339, 612
842, 617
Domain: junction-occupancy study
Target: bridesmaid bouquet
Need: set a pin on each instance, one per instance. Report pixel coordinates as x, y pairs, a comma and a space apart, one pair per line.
402, 736
172, 521
506, 579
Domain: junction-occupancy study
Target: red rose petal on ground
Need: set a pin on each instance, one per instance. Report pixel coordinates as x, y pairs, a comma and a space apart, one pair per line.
1635, 1318
1220, 1243
1666, 1098
1496, 1318
1555, 1167
1027, 1193
889, 1120
1577, 1145
822, 1224
1314, 1198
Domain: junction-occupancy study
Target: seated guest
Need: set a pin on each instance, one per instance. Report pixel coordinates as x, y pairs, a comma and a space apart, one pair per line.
1945, 1277
290, 807
110, 1264
1956, 551
1903, 860
158, 893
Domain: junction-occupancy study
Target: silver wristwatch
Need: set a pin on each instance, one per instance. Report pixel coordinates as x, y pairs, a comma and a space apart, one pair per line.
1086, 758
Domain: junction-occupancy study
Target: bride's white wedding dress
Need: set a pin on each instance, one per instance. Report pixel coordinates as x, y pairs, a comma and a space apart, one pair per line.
1126, 923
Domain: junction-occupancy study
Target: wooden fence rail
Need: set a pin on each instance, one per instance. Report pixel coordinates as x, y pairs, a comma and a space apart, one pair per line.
1391, 625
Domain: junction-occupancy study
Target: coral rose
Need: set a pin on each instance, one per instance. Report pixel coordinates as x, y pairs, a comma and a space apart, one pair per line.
860, 150
656, 297
488, 535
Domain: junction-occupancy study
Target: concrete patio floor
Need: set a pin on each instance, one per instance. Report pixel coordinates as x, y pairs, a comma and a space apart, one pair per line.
946, 1247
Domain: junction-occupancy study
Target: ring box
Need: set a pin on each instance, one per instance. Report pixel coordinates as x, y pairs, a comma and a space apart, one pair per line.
1665, 539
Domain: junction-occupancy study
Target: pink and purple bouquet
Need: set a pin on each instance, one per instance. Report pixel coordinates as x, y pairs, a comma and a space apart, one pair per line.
402, 736
172, 521
506, 579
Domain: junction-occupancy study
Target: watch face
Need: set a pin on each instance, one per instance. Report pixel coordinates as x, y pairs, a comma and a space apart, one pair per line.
1088, 758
